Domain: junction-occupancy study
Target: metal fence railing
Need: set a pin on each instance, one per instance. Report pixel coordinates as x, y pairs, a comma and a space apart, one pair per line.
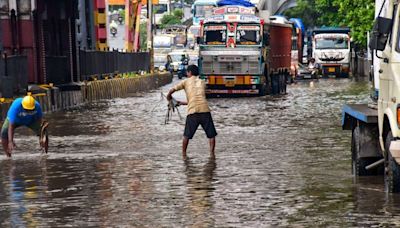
14, 79
360, 65
99, 63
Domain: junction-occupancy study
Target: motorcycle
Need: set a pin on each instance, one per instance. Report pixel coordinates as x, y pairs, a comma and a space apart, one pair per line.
113, 31
182, 68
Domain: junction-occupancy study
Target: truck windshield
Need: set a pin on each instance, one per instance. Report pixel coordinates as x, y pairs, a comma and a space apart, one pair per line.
203, 11
215, 34
177, 57
160, 8
331, 43
248, 35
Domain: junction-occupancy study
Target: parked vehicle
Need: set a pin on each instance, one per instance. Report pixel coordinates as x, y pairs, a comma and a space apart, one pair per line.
375, 144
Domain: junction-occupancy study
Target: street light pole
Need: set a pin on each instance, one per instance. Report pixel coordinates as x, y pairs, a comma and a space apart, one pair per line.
150, 23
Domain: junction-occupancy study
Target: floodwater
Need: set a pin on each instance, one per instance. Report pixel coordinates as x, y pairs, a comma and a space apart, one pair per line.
281, 161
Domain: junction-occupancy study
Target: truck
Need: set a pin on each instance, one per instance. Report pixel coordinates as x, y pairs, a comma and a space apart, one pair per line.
159, 10
163, 43
331, 50
243, 54
202, 9
375, 141
179, 32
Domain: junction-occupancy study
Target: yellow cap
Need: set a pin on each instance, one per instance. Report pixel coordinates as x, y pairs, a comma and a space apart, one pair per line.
28, 102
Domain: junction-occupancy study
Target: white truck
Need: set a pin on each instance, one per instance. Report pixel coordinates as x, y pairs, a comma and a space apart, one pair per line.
331, 50
375, 143
159, 10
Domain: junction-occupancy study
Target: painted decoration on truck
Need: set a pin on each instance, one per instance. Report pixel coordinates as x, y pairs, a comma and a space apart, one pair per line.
215, 27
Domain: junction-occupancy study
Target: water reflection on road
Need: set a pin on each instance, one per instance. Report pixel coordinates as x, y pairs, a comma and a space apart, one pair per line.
281, 161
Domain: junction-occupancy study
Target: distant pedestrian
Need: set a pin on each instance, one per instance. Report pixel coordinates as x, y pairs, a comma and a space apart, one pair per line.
198, 111
22, 112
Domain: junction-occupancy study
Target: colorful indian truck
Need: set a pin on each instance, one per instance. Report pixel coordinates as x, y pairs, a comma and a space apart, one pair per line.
240, 53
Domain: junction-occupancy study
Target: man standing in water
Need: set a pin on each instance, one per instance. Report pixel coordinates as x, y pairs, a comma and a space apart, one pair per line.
198, 112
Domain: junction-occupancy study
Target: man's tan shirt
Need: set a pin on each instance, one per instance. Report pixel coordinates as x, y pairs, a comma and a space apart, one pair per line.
195, 90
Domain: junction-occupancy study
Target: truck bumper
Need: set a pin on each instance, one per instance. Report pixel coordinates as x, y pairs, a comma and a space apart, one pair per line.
335, 69
395, 150
235, 90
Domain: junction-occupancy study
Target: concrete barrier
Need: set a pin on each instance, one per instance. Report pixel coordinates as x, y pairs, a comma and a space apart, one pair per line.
54, 100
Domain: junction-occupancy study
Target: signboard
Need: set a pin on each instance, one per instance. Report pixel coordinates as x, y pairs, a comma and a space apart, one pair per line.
215, 28
234, 10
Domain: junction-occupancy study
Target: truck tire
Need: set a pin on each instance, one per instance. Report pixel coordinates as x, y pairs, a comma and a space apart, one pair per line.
282, 83
392, 169
285, 87
263, 90
359, 163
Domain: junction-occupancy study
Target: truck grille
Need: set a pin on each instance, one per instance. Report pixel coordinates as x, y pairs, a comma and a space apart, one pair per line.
230, 65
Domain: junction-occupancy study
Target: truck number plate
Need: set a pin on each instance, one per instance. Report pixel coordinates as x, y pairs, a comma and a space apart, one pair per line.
230, 83
331, 70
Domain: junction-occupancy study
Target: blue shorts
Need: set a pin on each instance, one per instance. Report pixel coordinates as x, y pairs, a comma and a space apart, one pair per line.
35, 127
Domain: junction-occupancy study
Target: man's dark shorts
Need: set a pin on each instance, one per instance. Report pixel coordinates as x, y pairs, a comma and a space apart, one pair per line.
35, 127
194, 120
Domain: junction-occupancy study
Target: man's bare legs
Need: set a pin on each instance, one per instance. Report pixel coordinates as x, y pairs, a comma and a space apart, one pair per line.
185, 144
212, 147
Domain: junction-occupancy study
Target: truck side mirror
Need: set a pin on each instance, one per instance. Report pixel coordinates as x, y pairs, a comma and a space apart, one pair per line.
380, 33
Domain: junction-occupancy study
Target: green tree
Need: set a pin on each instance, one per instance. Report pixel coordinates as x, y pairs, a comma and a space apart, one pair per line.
358, 15
178, 13
306, 11
172, 19
143, 36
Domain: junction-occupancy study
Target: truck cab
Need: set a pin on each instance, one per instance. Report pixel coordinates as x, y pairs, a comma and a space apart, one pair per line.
376, 133
331, 50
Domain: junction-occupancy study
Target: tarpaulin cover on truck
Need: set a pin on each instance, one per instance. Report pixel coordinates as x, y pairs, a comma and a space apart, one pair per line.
235, 3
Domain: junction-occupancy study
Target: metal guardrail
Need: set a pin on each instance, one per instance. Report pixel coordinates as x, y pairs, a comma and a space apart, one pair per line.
360, 65
100, 63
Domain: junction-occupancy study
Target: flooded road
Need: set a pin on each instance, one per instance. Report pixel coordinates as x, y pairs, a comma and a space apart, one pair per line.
281, 161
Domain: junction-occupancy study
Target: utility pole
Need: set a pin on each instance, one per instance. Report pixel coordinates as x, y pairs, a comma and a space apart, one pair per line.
150, 23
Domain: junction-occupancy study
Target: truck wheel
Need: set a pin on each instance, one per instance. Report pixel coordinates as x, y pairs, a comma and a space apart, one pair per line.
392, 169
282, 80
285, 86
263, 90
358, 163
